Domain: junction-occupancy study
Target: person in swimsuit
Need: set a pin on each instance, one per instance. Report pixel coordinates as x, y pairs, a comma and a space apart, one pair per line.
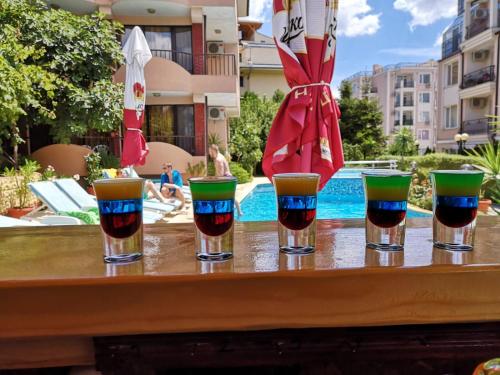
171, 183
222, 169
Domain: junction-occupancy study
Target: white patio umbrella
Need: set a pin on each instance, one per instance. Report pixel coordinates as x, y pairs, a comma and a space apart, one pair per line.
137, 55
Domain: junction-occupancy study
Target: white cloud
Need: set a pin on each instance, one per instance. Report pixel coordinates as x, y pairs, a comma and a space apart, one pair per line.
426, 12
261, 9
429, 53
356, 18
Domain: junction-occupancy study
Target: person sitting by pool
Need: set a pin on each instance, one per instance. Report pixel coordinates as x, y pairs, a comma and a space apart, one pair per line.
150, 190
171, 183
222, 169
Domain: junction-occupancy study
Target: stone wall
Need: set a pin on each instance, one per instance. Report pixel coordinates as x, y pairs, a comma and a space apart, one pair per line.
8, 194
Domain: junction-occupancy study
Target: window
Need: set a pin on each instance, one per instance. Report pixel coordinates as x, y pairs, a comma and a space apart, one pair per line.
408, 118
425, 79
172, 124
169, 42
242, 81
451, 117
425, 97
423, 135
452, 74
425, 116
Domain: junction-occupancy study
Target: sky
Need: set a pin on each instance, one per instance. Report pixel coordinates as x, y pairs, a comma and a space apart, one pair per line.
380, 31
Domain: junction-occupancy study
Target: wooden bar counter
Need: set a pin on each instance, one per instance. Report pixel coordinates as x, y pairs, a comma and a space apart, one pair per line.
57, 296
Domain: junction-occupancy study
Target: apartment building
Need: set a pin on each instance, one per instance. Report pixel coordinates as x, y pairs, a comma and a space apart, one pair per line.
261, 70
468, 85
406, 94
361, 83
192, 81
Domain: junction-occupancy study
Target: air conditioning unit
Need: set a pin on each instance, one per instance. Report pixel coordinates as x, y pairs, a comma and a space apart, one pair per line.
479, 102
215, 47
480, 55
216, 113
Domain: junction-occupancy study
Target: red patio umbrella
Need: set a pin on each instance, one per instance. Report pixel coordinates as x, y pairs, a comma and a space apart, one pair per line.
137, 55
305, 135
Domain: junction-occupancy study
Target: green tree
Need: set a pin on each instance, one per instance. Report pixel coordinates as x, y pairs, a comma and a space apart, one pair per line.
249, 132
403, 144
360, 124
69, 61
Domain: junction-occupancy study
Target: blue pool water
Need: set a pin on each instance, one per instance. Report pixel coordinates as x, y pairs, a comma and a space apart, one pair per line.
341, 198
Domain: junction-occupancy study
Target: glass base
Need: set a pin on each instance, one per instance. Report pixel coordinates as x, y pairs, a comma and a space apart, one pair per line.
122, 258
297, 250
452, 246
214, 257
384, 246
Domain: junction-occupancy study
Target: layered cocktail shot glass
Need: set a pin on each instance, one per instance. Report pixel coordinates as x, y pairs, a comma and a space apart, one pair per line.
455, 202
296, 195
120, 212
213, 210
386, 197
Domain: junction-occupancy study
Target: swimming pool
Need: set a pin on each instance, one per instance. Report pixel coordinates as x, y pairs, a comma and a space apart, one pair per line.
341, 198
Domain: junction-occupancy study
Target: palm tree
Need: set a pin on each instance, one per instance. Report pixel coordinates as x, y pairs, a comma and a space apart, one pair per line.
487, 159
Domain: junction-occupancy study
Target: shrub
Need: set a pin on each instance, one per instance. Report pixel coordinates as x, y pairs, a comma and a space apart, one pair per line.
352, 152
196, 170
430, 161
236, 170
109, 161
240, 173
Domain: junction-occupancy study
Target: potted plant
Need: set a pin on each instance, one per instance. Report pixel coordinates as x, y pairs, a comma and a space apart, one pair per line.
487, 159
21, 203
94, 170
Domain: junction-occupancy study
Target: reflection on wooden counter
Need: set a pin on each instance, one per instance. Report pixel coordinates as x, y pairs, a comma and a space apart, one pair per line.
54, 283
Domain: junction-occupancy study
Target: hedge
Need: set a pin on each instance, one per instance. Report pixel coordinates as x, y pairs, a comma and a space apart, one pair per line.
430, 161
236, 170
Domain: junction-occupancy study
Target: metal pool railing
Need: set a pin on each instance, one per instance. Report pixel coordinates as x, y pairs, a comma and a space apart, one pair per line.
391, 164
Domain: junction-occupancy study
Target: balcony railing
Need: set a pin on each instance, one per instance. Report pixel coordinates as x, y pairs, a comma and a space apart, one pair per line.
407, 103
408, 122
218, 64
397, 104
479, 76
405, 84
477, 26
477, 126
451, 46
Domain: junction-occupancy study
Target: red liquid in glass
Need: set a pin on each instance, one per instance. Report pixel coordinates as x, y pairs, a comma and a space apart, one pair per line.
121, 225
214, 224
385, 218
296, 219
455, 217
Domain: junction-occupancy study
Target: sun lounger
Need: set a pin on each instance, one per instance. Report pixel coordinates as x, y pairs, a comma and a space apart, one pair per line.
7, 222
52, 197
84, 200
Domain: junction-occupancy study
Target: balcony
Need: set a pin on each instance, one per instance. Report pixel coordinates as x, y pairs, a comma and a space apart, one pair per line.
477, 27
451, 46
408, 103
408, 122
405, 84
478, 77
219, 64
479, 126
